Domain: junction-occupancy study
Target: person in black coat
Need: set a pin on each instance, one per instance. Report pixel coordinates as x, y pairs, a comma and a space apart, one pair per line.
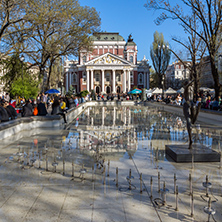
4, 117
41, 109
56, 107
11, 110
27, 109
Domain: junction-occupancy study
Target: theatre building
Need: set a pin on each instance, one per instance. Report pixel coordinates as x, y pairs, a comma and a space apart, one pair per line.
111, 67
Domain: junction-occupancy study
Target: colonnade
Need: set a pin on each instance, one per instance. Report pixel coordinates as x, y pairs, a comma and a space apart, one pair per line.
125, 80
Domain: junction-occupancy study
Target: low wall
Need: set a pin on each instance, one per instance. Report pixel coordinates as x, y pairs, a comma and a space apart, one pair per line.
13, 127
207, 117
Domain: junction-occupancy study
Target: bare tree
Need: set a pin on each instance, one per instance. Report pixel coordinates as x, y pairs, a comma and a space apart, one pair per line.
208, 14
60, 27
11, 13
196, 50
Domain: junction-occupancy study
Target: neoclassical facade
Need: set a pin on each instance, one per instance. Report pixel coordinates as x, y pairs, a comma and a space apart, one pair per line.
111, 67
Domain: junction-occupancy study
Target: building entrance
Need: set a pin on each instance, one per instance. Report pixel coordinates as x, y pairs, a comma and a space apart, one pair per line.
97, 90
108, 89
118, 89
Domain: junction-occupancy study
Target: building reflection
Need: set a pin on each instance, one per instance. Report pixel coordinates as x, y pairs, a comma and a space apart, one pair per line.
111, 130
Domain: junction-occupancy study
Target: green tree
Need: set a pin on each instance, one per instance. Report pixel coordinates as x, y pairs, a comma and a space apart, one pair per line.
71, 90
153, 79
84, 93
209, 19
26, 86
12, 70
18, 80
160, 55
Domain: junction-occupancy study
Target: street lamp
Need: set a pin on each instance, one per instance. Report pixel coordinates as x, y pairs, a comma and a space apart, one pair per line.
22, 60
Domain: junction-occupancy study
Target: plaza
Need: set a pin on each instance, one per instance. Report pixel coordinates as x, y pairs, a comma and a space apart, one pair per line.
70, 173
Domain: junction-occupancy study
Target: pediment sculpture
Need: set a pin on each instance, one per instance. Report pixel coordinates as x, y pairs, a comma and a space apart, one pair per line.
107, 60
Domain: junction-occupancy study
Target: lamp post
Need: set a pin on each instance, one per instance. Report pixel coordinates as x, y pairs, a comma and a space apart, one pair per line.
22, 60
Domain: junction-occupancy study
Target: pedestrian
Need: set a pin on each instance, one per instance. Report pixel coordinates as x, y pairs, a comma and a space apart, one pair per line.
11, 110
56, 109
41, 109
76, 101
27, 109
4, 117
7, 97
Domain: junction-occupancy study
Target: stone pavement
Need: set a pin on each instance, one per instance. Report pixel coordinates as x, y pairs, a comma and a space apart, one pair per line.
30, 193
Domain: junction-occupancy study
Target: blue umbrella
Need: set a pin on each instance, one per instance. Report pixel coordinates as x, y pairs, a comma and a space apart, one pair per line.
135, 91
51, 91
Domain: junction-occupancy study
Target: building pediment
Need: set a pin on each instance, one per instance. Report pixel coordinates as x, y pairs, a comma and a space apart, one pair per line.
108, 59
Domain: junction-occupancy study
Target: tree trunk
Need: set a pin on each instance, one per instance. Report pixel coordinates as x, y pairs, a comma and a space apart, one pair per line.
214, 72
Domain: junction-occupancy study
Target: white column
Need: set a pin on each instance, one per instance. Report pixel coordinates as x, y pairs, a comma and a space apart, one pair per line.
114, 81
114, 115
67, 82
124, 81
103, 81
77, 81
129, 117
144, 80
129, 84
103, 115
147, 80
87, 79
70, 79
92, 80
124, 116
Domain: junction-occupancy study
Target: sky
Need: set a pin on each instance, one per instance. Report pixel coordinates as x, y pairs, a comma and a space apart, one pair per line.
131, 17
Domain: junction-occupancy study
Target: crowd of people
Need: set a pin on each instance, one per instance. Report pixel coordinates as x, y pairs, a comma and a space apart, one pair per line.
43, 105
207, 101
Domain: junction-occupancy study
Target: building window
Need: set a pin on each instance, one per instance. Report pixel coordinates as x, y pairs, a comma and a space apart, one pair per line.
131, 77
140, 78
84, 77
131, 59
182, 67
74, 78
84, 59
118, 77
97, 77
107, 77
177, 66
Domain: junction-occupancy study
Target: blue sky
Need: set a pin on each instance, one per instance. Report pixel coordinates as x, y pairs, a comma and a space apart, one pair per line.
131, 17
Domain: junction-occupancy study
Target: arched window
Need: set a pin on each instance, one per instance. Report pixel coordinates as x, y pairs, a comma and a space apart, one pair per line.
140, 78
118, 77
131, 59
97, 77
84, 59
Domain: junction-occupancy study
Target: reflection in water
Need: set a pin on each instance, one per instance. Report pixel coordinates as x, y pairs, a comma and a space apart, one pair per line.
118, 129
112, 132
